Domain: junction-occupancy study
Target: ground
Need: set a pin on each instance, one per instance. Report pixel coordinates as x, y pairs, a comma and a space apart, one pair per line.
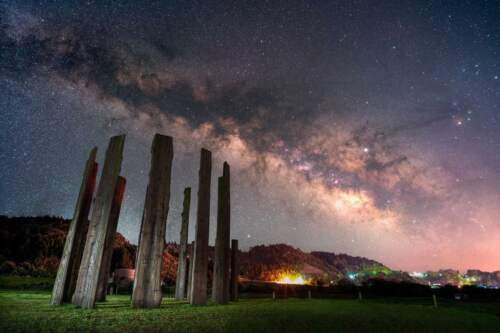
29, 311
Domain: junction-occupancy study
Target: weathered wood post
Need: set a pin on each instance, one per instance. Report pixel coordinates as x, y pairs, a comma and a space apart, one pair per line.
102, 287
67, 273
186, 277
221, 277
147, 284
190, 271
235, 270
88, 275
198, 294
227, 234
180, 282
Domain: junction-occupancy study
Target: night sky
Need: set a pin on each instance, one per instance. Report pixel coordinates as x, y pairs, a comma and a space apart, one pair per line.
364, 127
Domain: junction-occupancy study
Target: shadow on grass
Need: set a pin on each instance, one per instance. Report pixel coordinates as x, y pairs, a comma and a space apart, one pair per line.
120, 303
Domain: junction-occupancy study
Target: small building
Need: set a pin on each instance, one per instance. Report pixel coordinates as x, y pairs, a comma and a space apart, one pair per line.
124, 277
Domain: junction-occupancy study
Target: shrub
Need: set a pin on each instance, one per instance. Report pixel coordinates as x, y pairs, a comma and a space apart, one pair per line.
7, 267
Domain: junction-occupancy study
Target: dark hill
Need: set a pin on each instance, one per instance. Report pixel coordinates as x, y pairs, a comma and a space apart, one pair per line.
32, 246
345, 263
262, 262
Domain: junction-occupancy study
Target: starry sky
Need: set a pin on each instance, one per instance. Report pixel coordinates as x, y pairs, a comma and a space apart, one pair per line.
362, 127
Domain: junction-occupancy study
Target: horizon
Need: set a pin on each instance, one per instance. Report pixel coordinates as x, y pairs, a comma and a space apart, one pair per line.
349, 128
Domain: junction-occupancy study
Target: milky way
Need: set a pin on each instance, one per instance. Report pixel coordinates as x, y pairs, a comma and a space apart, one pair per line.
363, 127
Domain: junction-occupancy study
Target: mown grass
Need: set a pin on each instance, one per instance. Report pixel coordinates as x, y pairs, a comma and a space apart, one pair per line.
28, 311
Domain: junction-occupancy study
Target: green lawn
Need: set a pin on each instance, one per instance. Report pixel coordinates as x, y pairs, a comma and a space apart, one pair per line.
28, 311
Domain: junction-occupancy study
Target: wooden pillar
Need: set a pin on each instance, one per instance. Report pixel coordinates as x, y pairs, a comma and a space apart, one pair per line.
227, 234
90, 268
235, 270
186, 278
67, 273
180, 282
221, 278
147, 285
110, 240
198, 294
190, 271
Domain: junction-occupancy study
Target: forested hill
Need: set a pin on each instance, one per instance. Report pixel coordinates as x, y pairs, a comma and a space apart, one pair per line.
32, 246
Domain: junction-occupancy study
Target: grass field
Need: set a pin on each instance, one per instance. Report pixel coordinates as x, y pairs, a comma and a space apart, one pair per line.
28, 311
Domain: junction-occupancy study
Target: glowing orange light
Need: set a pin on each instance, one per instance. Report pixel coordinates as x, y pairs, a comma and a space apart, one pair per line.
292, 278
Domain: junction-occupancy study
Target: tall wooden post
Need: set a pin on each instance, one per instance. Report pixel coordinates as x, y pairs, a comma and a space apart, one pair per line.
190, 271
235, 270
186, 277
147, 285
180, 282
221, 280
198, 294
67, 273
88, 275
110, 239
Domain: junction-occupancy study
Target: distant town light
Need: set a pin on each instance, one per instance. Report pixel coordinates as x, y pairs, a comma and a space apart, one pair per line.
419, 275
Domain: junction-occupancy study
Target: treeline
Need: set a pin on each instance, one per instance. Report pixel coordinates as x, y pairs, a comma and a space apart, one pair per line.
32, 246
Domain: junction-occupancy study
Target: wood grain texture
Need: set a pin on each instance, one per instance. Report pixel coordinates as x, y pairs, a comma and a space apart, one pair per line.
110, 239
88, 275
198, 292
182, 268
221, 278
235, 269
67, 273
147, 285
190, 271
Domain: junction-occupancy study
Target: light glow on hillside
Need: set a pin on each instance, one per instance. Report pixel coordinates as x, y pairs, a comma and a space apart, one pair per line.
292, 278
